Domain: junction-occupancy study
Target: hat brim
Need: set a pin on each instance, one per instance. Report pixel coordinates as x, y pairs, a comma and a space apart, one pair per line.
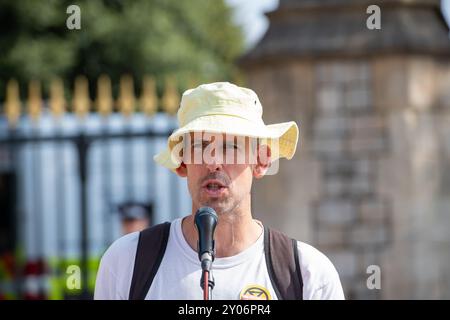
281, 137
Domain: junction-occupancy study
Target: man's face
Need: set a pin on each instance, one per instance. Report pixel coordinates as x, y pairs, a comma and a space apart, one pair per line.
219, 170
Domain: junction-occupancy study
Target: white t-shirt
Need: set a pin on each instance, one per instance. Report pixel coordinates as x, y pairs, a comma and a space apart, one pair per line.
242, 275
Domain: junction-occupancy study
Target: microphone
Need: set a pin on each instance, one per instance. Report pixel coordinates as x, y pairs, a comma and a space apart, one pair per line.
205, 222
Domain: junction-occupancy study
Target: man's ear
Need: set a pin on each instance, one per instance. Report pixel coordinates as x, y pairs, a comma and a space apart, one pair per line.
181, 170
264, 160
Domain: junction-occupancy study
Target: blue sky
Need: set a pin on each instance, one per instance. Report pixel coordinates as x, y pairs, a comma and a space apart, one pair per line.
250, 15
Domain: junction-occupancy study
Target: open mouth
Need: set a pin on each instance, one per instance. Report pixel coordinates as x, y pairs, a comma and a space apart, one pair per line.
214, 187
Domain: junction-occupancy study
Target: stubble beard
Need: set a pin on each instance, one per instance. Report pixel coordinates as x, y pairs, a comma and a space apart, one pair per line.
226, 209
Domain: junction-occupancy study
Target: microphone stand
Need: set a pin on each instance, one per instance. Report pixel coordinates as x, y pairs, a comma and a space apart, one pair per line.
207, 284
207, 279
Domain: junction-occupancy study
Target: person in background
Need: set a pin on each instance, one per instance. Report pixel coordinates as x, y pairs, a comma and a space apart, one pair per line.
135, 216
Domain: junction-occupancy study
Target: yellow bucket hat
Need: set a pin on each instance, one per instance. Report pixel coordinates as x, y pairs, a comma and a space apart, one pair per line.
223, 107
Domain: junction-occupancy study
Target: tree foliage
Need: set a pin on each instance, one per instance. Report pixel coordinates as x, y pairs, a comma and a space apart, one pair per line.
193, 39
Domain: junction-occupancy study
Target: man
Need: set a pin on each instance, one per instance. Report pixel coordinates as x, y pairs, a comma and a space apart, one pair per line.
221, 146
134, 216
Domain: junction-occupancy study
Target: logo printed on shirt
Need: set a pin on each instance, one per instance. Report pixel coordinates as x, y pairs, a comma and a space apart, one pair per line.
254, 292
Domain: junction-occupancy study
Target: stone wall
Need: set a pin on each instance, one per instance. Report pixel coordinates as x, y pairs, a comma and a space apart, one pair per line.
370, 183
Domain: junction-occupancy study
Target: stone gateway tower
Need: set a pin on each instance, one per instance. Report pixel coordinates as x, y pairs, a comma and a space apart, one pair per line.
370, 183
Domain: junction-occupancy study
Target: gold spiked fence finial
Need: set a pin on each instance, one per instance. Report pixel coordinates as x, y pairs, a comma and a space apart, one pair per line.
104, 101
170, 99
57, 101
81, 101
34, 100
12, 103
193, 82
149, 99
126, 99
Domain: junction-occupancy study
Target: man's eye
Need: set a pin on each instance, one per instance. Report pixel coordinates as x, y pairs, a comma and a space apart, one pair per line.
232, 146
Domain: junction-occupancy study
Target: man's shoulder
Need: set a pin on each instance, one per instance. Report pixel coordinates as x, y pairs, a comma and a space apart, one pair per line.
122, 249
116, 266
317, 270
311, 255
315, 266
313, 260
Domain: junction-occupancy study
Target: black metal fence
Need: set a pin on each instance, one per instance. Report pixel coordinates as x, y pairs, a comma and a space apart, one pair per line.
60, 183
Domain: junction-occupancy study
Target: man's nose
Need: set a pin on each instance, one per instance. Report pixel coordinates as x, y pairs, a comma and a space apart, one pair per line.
214, 165
214, 161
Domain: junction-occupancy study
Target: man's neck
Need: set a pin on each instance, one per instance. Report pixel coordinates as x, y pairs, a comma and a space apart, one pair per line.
234, 233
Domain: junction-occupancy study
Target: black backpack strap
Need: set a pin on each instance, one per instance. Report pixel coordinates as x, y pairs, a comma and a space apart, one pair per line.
150, 251
283, 265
